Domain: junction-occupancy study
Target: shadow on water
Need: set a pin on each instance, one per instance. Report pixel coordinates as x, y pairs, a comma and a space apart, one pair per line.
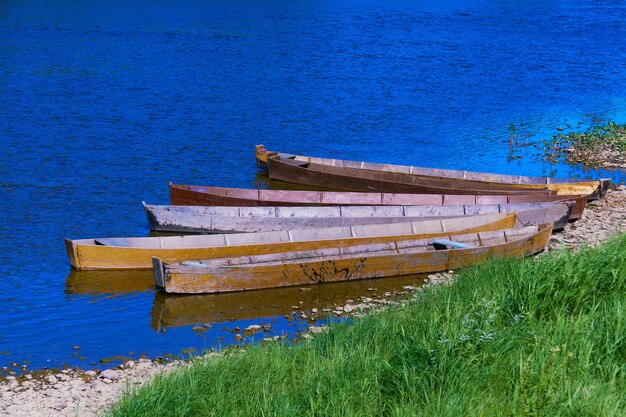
186, 310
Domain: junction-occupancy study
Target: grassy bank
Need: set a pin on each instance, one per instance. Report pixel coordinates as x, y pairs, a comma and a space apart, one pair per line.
537, 337
600, 145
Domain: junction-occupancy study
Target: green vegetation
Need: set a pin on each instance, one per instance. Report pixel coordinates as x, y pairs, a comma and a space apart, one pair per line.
537, 337
598, 145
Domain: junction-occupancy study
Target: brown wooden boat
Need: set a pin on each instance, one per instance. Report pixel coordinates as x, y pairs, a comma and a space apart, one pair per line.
136, 253
348, 263
196, 195
209, 219
364, 176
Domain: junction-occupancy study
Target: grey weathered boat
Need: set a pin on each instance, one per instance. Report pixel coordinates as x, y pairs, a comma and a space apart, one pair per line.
199, 195
209, 219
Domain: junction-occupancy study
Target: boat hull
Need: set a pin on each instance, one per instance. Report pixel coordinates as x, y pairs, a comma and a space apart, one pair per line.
293, 269
193, 195
352, 179
461, 179
137, 253
206, 219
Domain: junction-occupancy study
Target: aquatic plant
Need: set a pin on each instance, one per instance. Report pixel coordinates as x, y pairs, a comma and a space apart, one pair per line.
598, 145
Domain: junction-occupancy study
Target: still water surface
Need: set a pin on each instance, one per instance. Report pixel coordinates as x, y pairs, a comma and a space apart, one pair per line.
102, 105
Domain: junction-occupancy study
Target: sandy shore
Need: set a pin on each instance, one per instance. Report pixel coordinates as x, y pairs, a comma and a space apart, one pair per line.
88, 393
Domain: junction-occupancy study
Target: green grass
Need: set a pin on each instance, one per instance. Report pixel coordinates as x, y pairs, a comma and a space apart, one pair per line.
538, 337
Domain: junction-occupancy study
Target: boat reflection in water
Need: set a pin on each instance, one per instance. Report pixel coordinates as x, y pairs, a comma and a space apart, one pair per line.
185, 310
108, 282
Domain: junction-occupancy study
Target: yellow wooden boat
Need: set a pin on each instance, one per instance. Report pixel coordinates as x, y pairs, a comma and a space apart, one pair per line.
137, 253
392, 258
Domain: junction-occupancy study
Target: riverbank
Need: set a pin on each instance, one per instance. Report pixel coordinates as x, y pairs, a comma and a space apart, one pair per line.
540, 336
86, 393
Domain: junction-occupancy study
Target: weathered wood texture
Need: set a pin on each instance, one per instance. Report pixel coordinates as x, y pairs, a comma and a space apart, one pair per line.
136, 253
345, 264
328, 172
217, 196
353, 179
208, 219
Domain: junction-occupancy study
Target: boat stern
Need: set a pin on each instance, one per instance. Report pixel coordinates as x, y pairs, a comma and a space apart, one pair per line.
261, 157
601, 189
158, 269
72, 253
152, 219
605, 183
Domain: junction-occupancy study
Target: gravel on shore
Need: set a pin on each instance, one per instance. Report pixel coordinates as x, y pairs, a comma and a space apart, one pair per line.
88, 393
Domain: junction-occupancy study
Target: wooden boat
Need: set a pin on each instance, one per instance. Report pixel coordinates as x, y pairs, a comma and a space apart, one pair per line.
207, 219
401, 257
136, 253
354, 179
365, 176
196, 195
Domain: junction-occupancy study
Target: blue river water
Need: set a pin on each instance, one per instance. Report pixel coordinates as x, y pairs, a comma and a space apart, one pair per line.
103, 103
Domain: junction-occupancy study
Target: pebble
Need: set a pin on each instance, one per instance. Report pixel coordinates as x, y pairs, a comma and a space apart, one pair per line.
60, 406
253, 328
318, 329
110, 374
